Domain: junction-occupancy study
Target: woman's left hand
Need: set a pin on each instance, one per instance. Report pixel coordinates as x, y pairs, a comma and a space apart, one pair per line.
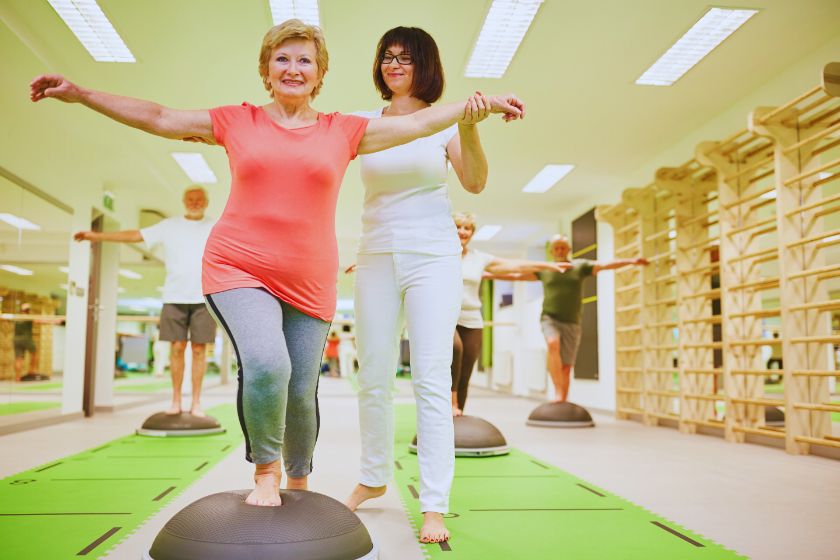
512, 107
476, 110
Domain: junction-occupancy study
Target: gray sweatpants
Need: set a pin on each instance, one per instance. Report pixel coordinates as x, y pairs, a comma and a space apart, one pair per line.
279, 351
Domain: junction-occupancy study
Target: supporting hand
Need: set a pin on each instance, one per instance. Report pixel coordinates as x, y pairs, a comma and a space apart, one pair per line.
476, 110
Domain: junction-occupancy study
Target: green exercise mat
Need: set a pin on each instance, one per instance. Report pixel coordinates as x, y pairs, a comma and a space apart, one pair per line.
517, 507
85, 504
26, 406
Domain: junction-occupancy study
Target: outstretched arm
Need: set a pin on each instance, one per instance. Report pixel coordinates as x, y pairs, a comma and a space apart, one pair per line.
619, 263
388, 132
522, 267
147, 116
127, 236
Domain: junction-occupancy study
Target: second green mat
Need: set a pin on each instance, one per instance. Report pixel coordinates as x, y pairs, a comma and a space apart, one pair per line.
85, 504
515, 506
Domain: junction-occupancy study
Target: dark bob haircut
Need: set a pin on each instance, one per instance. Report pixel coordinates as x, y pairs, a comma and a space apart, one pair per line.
428, 81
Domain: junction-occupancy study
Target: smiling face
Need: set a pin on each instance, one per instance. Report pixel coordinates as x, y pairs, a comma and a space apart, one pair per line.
466, 229
293, 70
398, 77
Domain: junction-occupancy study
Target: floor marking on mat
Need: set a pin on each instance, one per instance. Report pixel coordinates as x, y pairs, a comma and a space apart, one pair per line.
398, 465
226, 447
202, 465
162, 494
69, 513
550, 509
107, 535
413, 491
42, 469
141, 478
507, 476
106, 446
591, 490
677, 533
444, 546
540, 464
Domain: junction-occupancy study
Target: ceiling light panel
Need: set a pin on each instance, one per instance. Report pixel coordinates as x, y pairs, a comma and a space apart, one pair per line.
195, 166
547, 178
18, 222
504, 28
96, 33
304, 10
710, 31
125, 273
16, 270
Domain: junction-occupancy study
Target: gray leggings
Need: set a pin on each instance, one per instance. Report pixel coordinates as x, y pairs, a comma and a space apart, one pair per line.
279, 352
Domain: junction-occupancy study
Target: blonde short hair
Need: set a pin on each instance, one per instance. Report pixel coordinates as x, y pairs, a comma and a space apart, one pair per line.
288, 30
466, 218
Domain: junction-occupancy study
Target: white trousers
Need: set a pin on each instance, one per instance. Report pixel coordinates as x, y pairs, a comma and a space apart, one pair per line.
425, 290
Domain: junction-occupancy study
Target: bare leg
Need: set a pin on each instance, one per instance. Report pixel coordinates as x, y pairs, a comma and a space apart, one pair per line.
433, 530
455, 410
362, 493
267, 491
18, 368
176, 367
199, 366
559, 372
293, 483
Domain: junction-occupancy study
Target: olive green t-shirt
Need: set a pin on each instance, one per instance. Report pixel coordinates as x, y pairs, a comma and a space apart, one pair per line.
563, 291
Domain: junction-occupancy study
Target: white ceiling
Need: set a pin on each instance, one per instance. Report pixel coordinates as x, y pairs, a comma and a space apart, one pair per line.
575, 70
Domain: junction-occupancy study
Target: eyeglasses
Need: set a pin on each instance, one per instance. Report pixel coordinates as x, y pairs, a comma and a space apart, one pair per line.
402, 58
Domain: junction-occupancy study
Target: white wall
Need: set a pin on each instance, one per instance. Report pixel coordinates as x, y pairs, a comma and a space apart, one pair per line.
106, 325
77, 302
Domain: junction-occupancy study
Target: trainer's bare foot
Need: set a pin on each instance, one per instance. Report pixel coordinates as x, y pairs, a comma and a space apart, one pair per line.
433, 530
174, 409
559, 400
196, 411
362, 493
301, 483
457, 411
267, 491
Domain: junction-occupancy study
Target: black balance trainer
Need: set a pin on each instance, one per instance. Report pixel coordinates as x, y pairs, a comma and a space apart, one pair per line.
560, 415
162, 424
222, 526
474, 437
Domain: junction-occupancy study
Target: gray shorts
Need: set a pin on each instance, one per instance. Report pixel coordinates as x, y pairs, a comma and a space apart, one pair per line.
177, 320
569, 335
23, 345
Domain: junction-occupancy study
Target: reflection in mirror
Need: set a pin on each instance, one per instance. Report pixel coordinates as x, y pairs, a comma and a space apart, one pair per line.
34, 251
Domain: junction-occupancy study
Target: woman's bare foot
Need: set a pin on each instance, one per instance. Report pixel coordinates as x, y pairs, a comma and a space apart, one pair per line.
267, 491
174, 409
433, 530
195, 410
457, 411
301, 483
362, 493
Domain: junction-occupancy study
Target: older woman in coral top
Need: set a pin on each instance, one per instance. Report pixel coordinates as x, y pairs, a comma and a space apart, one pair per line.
270, 264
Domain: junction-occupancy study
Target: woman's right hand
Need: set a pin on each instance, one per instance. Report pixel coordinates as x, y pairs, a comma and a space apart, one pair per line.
85, 236
55, 86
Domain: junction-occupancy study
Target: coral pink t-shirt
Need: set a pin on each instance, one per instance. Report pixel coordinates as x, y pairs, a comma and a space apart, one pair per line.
278, 228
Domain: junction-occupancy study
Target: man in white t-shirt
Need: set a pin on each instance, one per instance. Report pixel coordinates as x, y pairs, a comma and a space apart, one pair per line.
184, 316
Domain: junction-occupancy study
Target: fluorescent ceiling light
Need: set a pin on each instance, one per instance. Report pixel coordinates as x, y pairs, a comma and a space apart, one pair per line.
18, 222
547, 178
486, 232
195, 167
16, 270
125, 273
87, 22
826, 240
64, 269
768, 195
304, 10
504, 28
710, 31
672, 234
